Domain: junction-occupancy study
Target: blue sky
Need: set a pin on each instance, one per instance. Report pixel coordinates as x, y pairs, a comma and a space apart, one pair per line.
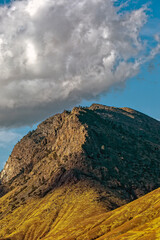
141, 92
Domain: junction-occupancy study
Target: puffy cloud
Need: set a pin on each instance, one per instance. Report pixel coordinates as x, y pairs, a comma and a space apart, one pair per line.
55, 53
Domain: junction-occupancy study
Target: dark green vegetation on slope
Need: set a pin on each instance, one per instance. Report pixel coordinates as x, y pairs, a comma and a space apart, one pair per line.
75, 168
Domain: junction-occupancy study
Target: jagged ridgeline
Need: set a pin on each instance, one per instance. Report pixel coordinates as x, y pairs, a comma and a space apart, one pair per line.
63, 179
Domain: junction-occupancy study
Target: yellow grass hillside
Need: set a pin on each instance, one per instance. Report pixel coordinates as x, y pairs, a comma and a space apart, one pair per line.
78, 215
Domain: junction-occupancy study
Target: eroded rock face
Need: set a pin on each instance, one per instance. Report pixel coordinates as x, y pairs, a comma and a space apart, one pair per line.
61, 135
118, 148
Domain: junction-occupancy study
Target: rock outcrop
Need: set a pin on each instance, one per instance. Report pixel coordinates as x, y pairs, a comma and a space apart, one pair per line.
119, 148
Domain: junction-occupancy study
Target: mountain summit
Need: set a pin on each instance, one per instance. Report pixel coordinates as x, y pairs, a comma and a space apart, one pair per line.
75, 165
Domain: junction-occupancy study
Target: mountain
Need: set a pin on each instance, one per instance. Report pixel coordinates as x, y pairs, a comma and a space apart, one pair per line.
64, 180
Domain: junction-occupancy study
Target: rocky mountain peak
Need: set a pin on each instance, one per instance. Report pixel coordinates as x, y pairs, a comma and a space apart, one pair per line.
119, 148
66, 175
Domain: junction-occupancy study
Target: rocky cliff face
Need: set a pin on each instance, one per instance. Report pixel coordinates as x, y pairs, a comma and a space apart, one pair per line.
118, 148
59, 136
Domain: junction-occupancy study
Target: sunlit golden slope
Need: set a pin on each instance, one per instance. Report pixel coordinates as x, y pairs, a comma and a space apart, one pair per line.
78, 215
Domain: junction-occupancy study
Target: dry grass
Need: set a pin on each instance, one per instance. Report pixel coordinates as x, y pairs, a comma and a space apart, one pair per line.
76, 214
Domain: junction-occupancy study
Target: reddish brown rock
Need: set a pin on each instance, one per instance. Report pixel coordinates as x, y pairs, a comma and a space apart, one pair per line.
115, 148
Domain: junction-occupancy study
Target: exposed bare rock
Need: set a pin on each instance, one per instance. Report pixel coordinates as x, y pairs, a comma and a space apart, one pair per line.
119, 148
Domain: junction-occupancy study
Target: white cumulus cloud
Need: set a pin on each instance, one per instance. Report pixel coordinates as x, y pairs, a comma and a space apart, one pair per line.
55, 53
